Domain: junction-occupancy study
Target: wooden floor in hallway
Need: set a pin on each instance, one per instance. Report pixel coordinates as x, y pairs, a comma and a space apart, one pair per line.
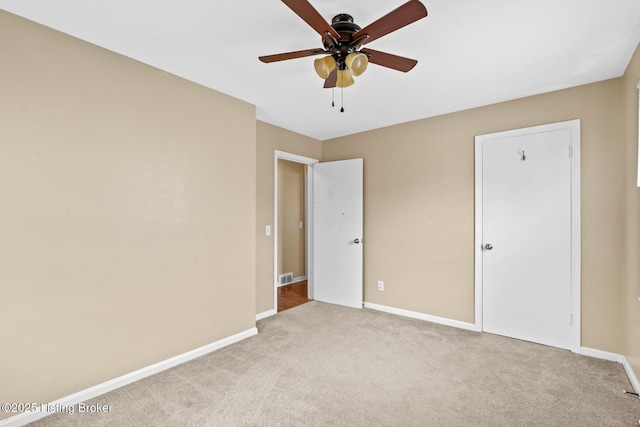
292, 295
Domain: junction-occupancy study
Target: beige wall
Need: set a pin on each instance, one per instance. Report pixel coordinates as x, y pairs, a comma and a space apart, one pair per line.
269, 139
419, 205
291, 198
631, 291
128, 214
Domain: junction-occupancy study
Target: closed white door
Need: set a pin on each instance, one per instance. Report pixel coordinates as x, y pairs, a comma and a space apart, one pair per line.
526, 236
337, 232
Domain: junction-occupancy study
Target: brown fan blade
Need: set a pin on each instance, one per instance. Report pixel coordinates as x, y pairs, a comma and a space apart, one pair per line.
311, 16
388, 60
409, 12
332, 79
290, 55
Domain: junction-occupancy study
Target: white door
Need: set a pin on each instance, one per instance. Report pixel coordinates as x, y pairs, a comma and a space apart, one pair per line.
526, 236
337, 232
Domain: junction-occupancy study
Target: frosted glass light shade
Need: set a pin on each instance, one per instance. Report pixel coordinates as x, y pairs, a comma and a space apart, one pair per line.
357, 63
345, 79
324, 66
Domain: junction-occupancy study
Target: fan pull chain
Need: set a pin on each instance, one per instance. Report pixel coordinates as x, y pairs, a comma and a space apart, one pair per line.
333, 104
342, 100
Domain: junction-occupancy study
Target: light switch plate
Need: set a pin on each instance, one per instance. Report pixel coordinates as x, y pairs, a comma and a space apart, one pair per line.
267, 230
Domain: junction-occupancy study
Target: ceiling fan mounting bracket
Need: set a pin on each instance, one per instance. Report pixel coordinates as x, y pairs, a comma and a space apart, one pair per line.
344, 22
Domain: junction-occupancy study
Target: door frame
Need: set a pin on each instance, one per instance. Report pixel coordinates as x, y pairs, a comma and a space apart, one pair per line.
575, 281
308, 220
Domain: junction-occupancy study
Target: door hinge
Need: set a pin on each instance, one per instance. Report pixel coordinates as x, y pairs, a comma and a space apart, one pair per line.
570, 319
571, 151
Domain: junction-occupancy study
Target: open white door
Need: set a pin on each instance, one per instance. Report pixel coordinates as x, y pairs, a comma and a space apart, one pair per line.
337, 232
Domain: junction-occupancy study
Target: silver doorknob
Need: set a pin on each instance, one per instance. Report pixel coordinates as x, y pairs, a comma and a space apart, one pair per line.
488, 246
356, 241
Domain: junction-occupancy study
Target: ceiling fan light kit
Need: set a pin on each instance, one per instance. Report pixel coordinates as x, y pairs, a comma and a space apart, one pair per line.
353, 65
357, 63
344, 79
324, 66
343, 40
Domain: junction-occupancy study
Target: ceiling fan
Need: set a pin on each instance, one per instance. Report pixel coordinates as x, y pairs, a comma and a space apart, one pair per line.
343, 40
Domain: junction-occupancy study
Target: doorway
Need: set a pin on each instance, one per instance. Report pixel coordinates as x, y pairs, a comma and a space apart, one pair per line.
291, 273
293, 226
334, 245
528, 234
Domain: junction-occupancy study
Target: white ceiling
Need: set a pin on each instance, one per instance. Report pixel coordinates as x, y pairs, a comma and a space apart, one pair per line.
470, 52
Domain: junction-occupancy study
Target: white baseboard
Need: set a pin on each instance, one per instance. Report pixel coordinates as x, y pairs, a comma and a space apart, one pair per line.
90, 393
613, 357
265, 314
600, 354
632, 376
422, 316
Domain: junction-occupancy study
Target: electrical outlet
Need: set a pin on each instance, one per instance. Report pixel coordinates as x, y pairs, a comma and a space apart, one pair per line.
380, 285
267, 230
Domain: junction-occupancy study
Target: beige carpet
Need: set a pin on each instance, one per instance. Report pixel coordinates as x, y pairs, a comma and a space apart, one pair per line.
325, 365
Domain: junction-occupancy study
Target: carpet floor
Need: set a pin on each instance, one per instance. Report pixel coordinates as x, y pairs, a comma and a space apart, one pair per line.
325, 365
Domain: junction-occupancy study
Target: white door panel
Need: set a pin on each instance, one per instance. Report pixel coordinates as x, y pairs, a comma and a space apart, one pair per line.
526, 214
337, 232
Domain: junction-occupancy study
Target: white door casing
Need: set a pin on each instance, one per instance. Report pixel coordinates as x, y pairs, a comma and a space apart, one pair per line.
337, 232
528, 210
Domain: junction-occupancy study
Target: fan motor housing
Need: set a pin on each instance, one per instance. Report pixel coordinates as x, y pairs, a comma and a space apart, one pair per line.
344, 25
